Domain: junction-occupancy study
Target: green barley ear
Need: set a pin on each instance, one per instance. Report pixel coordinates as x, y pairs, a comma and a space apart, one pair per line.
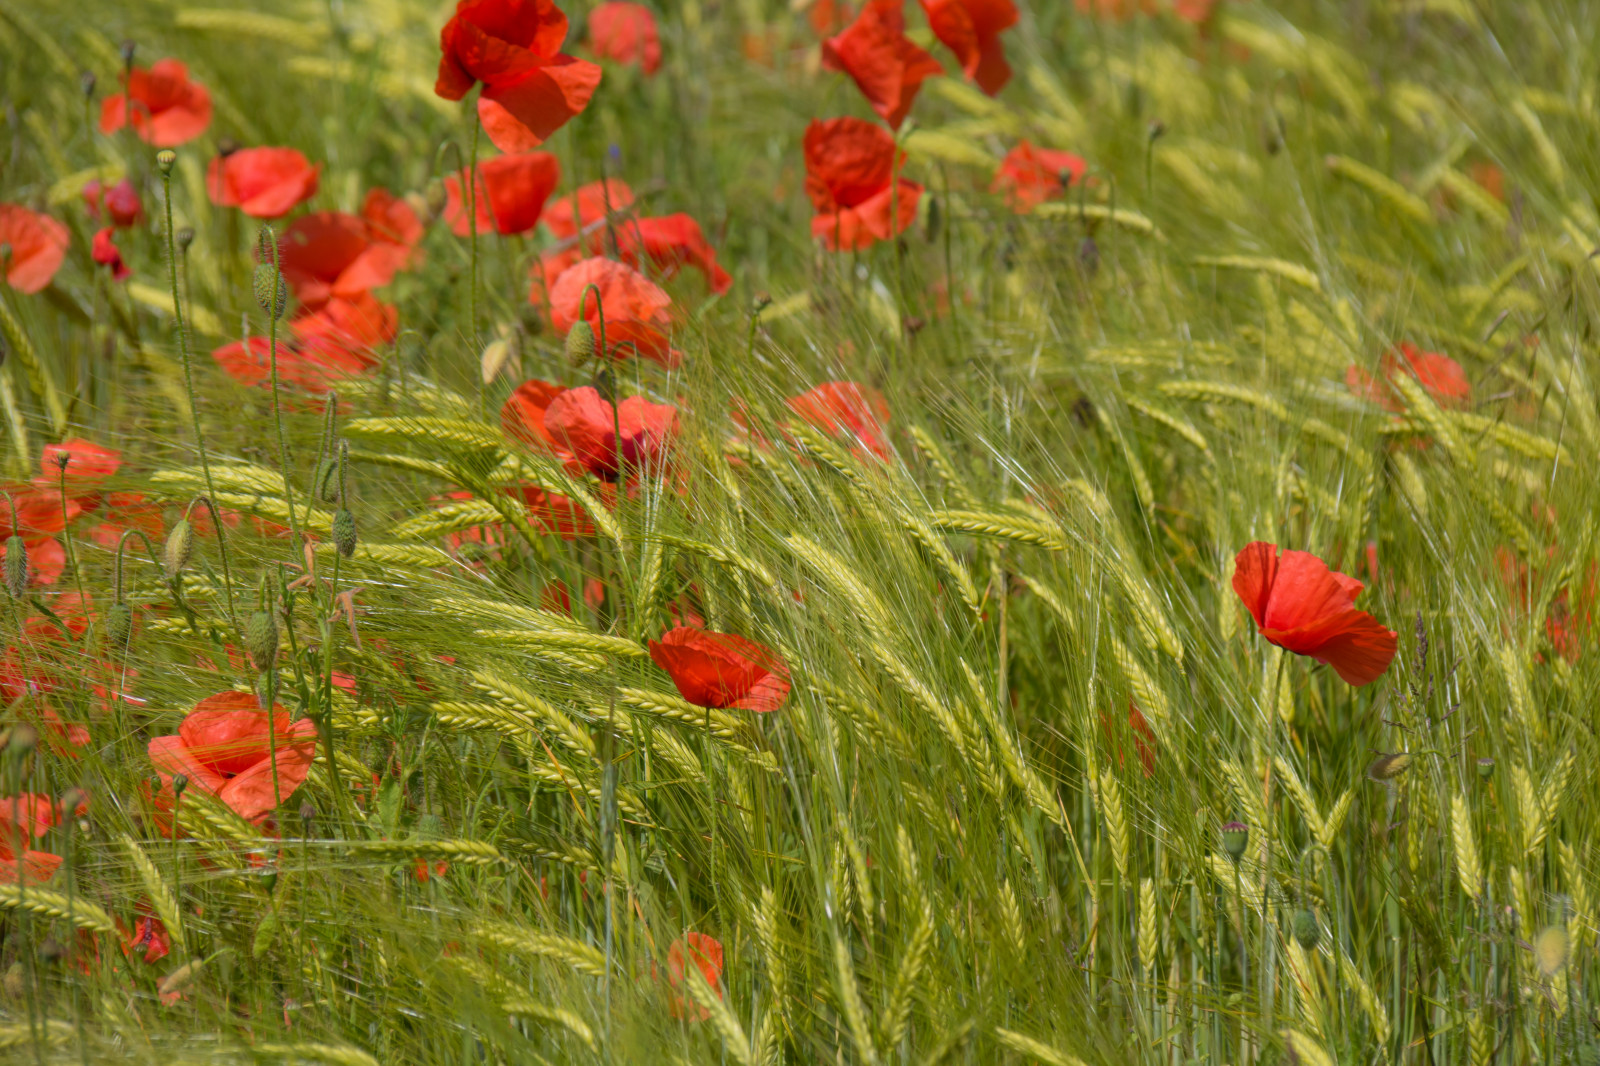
580, 343
179, 547
16, 566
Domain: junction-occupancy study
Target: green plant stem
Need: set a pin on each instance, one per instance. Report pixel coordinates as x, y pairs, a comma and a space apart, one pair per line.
277, 407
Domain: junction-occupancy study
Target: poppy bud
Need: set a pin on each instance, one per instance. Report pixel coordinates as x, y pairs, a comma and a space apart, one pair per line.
119, 625
580, 343
261, 639
18, 741
179, 783
179, 546
325, 480
227, 146
1306, 930
86, 82
185, 238
272, 294
1486, 768
16, 566
1156, 130
164, 160
762, 301
1388, 767
437, 197
344, 532
605, 383
1235, 835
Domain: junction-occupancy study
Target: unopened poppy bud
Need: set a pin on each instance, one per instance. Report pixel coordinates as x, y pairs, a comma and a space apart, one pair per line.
580, 343
1486, 768
605, 383
1156, 129
179, 783
325, 480
762, 301
164, 160
16, 566
185, 237
1235, 835
272, 293
179, 546
344, 532
119, 625
127, 50
436, 197
87, 82
261, 639
20, 740
1306, 930
1388, 767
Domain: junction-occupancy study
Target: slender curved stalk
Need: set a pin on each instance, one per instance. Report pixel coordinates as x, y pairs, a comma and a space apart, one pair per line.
277, 408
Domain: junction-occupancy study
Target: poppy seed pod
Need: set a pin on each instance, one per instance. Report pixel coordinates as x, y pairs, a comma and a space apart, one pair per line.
179, 546
272, 292
179, 783
344, 532
1235, 835
164, 160
269, 879
87, 81
127, 50
1485, 768
16, 566
185, 238
308, 814
261, 639
580, 343
119, 625
1306, 929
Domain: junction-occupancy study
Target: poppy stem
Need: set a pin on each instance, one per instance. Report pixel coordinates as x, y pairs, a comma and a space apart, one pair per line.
273, 311
66, 532
188, 385
472, 254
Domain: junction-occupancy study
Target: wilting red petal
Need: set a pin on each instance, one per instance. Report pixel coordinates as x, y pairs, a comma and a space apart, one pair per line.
262, 182
1301, 605
846, 409
971, 29
167, 109
510, 193
523, 114
625, 33
885, 65
38, 247
722, 669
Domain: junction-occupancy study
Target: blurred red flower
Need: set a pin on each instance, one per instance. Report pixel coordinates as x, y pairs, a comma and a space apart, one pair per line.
971, 29
225, 748
856, 414
23, 819
671, 242
706, 954
150, 939
167, 108
829, 16
522, 415
334, 344
104, 251
530, 89
1029, 176
509, 196
38, 245
262, 182
1440, 375
625, 33
885, 65
88, 465
120, 203
634, 307
601, 440
722, 669
851, 180
1301, 605
331, 254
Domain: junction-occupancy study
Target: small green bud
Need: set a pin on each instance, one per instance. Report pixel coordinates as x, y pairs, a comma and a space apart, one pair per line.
1306, 930
165, 159
325, 480
1235, 835
119, 625
16, 567
179, 546
269, 879
272, 294
261, 639
580, 343
344, 532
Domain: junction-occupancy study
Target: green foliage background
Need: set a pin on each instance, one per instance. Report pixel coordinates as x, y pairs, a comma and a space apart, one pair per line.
945, 848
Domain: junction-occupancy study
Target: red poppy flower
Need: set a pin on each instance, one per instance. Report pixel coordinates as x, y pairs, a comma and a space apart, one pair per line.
1441, 376
510, 194
1144, 741
722, 669
522, 415
167, 108
391, 218
625, 33
1571, 617
225, 747
1029, 176
40, 512
23, 819
851, 180
330, 352
150, 939
586, 205
706, 954
38, 246
120, 203
635, 308
1299, 604
530, 89
124, 511
345, 332
88, 464
971, 29
671, 242
46, 559
1196, 11
262, 182
554, 513
105, 252
556, 597
857, 414
885, 65
331, 254
829, 16
601, 439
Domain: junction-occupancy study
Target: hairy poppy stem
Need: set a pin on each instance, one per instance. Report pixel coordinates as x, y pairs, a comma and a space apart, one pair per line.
267, 235
188, 382
472, 254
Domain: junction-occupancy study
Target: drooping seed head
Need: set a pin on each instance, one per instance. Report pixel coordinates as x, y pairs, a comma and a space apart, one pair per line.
1235, 837
179, 547
16, 566
325, 480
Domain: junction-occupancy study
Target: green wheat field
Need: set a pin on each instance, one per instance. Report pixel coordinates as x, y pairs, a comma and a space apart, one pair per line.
1012, 774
